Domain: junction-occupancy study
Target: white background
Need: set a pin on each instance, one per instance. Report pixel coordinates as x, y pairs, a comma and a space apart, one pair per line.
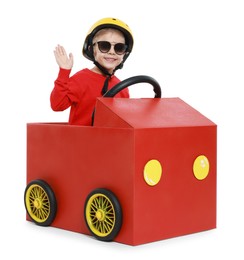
194, 49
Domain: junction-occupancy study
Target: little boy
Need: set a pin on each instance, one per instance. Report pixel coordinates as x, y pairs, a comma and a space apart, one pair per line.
108, 44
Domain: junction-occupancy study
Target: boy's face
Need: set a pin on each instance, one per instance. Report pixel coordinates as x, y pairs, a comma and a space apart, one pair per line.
109, 59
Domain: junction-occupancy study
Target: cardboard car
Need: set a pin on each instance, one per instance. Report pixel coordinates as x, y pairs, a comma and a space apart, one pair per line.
145, 170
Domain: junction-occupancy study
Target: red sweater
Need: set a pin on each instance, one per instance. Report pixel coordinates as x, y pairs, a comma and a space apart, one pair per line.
79, 92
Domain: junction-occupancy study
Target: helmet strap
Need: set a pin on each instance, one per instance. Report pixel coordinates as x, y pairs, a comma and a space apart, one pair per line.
105, 85
105, 72
109, 75
102, 69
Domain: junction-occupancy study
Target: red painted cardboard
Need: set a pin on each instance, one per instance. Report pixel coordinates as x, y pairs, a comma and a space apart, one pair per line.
112, 154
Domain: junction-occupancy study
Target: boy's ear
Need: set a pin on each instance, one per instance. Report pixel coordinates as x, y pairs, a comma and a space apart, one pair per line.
90, 51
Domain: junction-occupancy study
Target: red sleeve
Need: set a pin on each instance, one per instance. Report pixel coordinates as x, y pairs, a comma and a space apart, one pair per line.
59, 97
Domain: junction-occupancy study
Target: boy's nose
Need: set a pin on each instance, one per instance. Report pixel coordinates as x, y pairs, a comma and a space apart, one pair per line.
112, 51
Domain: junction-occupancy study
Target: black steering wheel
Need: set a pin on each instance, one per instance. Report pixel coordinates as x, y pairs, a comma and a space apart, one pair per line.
131, 81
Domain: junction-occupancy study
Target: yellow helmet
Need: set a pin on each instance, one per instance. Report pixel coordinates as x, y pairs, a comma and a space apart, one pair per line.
107, 23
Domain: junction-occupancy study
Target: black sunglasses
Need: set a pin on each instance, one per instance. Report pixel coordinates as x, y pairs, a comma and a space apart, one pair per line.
104, 47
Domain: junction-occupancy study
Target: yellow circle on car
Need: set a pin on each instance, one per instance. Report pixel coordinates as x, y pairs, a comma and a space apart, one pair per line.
201, 167
152, 172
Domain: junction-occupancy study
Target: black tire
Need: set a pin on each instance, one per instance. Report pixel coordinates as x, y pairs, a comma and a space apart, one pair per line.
40, 202
103, 214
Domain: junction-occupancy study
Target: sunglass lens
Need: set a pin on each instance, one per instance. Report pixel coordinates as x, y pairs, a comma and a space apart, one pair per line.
104, 46
120, 48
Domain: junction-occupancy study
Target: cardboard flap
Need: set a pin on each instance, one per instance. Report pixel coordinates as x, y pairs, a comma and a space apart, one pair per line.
147, 113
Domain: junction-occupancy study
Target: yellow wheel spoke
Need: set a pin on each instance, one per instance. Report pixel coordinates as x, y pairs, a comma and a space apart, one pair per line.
38, 203
101, 214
